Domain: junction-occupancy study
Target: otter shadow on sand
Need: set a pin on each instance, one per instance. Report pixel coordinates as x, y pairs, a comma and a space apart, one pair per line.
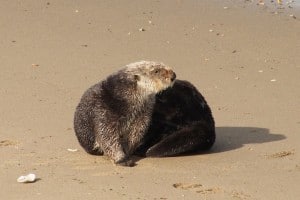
230, 138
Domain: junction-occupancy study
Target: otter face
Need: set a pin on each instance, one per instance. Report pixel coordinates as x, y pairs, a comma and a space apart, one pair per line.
163, 77
152, 77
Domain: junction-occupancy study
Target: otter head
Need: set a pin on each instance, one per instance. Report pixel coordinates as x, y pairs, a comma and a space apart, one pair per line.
152, 77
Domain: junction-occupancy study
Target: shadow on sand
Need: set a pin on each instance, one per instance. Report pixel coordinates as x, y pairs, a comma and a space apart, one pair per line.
230, 138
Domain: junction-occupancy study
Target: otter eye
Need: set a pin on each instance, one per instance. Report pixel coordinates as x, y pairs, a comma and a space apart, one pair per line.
156, 71
137, 77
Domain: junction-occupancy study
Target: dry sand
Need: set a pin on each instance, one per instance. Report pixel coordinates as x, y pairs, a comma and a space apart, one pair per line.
243, 57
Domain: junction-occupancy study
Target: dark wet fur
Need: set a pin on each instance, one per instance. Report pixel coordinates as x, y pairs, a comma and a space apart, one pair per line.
113, 116
182, 122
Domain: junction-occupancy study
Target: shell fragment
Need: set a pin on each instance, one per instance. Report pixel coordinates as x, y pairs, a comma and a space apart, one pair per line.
72, 150
30, 178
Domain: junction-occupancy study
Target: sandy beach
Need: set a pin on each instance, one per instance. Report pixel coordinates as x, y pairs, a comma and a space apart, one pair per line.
244, 57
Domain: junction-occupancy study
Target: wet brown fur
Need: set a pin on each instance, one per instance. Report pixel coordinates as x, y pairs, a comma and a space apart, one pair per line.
114, 114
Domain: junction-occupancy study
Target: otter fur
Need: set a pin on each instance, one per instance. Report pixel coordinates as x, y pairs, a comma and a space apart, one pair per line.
182, 122
114, 114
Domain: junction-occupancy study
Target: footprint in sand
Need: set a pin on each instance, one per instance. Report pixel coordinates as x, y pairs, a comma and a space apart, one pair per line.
197, 188
5, 143
186, 186
281, 154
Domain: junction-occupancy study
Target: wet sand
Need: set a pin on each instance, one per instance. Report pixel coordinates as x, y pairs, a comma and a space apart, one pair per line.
243, 57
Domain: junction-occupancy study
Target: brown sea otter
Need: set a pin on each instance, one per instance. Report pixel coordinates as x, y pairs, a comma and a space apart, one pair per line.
113, 116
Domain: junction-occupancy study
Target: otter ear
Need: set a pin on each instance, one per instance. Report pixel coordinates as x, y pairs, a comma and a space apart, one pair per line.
137, 77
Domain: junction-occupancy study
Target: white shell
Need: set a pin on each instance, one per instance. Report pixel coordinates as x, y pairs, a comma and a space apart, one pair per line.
72, 150
30, 178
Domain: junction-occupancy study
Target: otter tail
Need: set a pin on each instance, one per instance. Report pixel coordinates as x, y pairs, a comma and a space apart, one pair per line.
196, 137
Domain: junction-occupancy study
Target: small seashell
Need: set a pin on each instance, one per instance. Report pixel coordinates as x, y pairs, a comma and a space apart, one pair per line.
225, 7
260, 71
273, 80
210, 30
30, 178
72, 150
142, 29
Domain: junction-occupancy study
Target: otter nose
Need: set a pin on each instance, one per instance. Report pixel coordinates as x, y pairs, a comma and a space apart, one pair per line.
173, 76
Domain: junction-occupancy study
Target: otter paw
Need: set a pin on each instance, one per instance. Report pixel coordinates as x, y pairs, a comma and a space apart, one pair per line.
126, 163
151, 152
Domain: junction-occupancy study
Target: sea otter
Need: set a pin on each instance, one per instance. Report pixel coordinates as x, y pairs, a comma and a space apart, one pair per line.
114, 114
182, 122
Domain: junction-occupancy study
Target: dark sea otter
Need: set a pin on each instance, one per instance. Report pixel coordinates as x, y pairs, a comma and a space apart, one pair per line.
182, 122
